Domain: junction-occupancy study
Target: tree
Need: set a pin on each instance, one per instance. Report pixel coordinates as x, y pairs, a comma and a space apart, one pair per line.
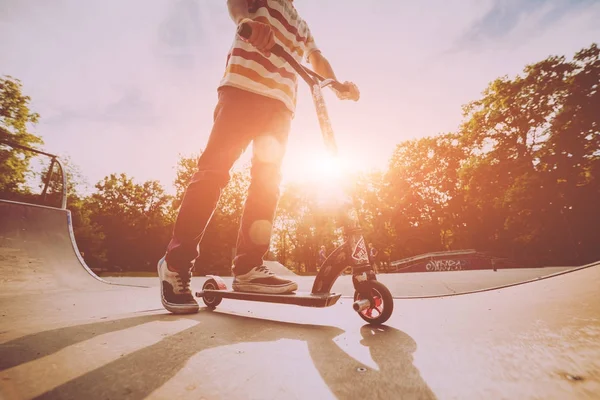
15, 116
134, 220
306, 220
421, 189
185, 170
375, 213
530, 177
571, 158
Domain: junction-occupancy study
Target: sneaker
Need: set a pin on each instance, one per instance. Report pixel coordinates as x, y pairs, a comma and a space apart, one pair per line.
261, 280
175, 292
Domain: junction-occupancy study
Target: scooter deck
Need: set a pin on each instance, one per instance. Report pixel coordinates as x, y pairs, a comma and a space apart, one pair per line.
305, 299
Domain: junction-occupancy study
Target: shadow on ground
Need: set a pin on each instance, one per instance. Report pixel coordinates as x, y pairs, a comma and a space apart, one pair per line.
138, 374
38, 345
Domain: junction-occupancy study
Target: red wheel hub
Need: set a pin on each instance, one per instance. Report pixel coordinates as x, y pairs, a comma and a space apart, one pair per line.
378, 307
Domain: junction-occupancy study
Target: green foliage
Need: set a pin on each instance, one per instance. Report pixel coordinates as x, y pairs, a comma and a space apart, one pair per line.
186, 167
89, 236
134, 220
422, 189
303, 224
519, 178
15, 116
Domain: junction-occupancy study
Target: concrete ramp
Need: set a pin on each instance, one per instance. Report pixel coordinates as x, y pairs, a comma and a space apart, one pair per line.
38, 252
534, 341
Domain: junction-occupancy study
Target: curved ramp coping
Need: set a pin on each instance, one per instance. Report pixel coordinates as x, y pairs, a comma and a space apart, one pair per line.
38, 251
504, 286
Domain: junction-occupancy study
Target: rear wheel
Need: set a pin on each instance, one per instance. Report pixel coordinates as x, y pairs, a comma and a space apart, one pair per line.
211, 301
382, 302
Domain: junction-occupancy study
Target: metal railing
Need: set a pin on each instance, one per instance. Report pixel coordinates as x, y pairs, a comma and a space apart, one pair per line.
50, 174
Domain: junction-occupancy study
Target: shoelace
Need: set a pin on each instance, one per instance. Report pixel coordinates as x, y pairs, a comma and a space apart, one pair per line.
264, 269
184, 280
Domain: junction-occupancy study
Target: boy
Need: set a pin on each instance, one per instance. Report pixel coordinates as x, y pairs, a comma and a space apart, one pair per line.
257, 99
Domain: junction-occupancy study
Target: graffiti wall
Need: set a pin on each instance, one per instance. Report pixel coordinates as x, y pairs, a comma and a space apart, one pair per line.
446, 265
451, 261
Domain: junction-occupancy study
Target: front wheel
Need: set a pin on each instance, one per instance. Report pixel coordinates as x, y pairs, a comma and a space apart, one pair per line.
211, 301
381, 302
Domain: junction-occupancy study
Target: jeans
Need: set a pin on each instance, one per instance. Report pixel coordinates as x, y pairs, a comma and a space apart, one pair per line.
240, 117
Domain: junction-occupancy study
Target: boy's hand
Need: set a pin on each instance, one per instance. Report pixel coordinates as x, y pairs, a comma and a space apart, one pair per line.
350, 92
262, 36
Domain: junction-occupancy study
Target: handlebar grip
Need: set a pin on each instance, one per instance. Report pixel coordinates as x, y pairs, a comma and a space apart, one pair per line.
244, 31
340, 87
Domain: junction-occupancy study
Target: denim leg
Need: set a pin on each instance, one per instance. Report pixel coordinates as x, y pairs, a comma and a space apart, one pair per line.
231, 134
254, 235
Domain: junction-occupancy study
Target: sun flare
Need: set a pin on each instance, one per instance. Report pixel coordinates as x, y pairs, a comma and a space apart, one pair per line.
328, 167
323, 176
325, 169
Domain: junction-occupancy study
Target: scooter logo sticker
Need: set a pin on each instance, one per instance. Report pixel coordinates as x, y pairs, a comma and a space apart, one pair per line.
360, 251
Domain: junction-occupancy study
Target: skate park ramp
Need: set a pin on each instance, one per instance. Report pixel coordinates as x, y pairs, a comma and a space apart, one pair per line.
38, 252
539, 340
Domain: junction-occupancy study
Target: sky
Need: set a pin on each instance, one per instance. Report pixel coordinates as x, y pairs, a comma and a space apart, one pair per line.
130, 86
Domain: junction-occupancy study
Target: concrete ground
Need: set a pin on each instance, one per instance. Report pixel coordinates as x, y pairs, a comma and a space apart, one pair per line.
540, 340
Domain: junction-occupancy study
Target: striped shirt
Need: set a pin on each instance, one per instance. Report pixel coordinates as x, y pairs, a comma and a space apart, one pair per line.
249, 69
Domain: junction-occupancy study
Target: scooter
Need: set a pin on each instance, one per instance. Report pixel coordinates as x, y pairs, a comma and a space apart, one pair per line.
372, 300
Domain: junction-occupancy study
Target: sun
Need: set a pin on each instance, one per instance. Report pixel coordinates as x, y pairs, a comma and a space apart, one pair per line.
321, 175
328, 168
324, 169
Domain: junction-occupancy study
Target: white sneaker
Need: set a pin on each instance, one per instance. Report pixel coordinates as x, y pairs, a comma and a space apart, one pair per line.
261, 280
175, 292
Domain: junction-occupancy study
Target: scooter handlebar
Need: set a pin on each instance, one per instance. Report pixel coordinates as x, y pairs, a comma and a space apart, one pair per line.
245, 31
